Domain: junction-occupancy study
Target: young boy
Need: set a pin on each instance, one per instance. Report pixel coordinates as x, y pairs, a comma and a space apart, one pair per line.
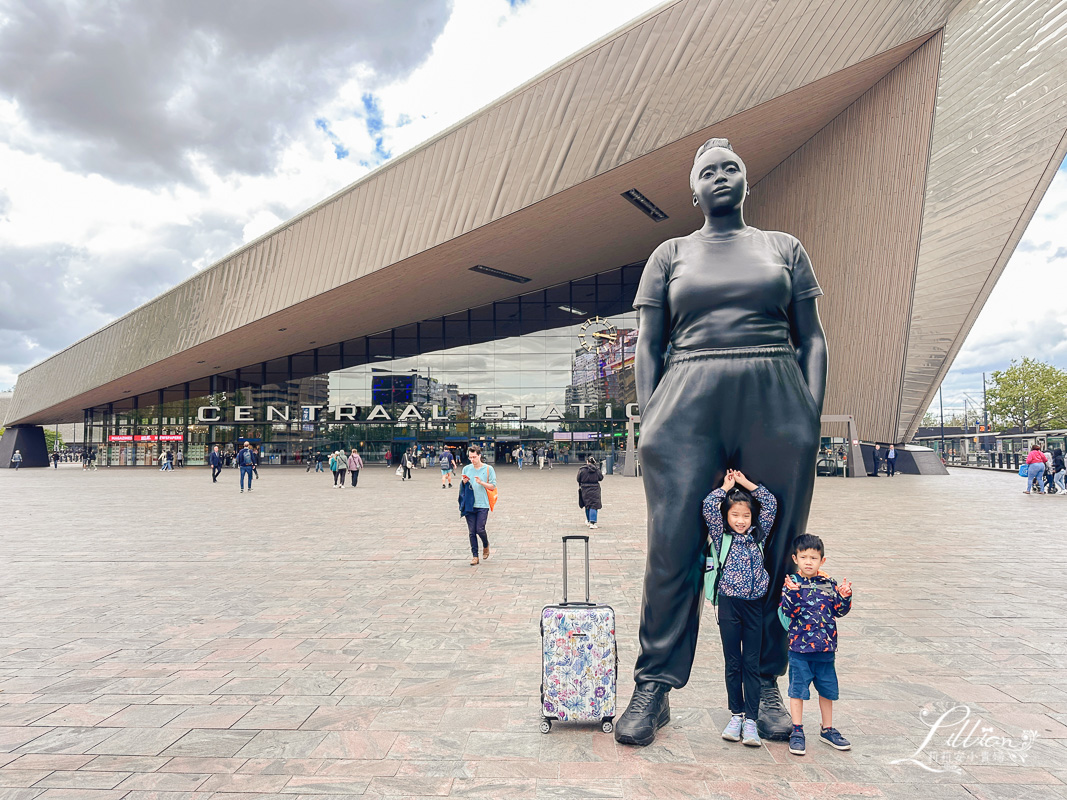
811, 602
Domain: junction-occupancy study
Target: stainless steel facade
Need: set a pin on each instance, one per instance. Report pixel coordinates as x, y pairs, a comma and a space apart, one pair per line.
533, 183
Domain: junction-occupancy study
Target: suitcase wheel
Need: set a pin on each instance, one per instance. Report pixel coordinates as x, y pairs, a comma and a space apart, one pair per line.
606, 726
546, 725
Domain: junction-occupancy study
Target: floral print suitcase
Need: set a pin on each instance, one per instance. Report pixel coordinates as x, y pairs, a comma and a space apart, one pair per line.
579, 660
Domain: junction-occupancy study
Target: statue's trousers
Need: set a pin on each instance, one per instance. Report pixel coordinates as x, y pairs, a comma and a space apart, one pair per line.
741, 408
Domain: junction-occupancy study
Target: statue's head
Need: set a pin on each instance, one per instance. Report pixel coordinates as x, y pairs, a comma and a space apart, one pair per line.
719, 178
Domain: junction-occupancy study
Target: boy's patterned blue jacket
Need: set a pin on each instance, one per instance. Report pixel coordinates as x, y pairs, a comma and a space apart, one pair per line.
811, 611
743, 574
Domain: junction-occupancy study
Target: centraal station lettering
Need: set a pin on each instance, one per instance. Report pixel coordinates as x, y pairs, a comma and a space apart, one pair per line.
411, 413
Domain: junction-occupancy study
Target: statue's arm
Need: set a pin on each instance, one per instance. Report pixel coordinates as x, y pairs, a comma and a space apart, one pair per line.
652, 338
810, 341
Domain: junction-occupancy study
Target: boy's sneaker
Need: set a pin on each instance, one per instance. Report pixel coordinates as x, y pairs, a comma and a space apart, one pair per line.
796, 741
835, 739
732, 732
749, 736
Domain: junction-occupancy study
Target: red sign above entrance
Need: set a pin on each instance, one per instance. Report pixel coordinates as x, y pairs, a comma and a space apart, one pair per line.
166, 437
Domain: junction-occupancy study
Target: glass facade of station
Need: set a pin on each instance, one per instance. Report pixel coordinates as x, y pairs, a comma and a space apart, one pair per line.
551, 368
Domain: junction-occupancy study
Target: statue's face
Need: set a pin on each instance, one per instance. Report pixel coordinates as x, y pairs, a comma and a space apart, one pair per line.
719, 180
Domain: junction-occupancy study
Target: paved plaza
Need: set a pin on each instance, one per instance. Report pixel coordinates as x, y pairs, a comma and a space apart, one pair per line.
163, 637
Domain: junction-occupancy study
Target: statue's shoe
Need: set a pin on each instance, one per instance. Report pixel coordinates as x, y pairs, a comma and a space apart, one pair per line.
649, 710
774, 722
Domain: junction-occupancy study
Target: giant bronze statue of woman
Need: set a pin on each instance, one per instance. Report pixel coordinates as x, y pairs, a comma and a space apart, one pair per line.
731, 370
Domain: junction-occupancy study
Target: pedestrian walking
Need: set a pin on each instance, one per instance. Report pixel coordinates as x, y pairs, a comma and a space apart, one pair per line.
339, 467
479, 478
355, 464
520, 456
1035, 469
170, 460
891, 461
255, 462
245, 462
877, 459
589, 478
406, 462
55, 460
320, 461
215, 459
550, 455
16, 459
1059, 471
179, 457
541, 457
447, 462
162, 459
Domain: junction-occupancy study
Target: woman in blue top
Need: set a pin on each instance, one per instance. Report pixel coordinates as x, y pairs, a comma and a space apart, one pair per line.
480, 477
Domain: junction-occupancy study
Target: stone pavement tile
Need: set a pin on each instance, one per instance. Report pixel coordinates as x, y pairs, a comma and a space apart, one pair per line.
494, 788
332, 718
208, 717
664, 789
1014, 791
65, 779
142, 716
312, 700
308, 685
12, 738
63, 740
51, 761
156, 794
431, 769
407, 718
164, 782
21, 777
578, 789
244, 783
355, 745
137, 741
473, 719
420, 787
1012, 774
485, 745
282, 744
249, 686
326, 784
210, 743
19, 794
208, 766
282, 766
276, 718
912, 791
82, 794
750, 790
584, 745
125, 763
17, 714
429, 746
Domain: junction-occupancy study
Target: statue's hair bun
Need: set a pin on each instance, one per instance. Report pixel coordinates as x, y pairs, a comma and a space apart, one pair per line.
710, 143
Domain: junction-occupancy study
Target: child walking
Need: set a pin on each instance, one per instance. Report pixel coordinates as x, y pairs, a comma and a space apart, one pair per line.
739, 521
811, 603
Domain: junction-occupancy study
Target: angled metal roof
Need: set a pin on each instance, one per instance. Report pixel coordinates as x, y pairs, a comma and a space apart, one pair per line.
531, 184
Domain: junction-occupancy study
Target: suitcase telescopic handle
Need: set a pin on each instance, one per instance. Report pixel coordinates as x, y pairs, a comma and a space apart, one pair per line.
586, 540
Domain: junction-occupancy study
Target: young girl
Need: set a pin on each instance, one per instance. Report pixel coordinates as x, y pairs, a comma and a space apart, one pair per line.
747, 514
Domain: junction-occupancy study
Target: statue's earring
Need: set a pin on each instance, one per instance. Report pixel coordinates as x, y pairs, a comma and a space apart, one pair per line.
695, 201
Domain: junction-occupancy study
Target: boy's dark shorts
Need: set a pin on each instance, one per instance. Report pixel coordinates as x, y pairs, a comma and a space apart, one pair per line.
804, 671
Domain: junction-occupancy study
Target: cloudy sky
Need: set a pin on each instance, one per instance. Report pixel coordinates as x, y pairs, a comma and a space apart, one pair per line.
142, 141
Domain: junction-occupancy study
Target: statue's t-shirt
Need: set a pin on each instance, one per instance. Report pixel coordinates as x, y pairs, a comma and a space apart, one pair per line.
732, 291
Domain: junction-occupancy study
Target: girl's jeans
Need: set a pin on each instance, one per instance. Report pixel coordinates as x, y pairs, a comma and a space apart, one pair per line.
476, 529
1060, 482
590, 514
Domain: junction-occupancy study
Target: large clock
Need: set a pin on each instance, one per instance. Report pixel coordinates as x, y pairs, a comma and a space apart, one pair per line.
597, 332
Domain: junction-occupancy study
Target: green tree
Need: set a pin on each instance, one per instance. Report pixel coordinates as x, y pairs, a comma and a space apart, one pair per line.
50, 441
930, 419
1031, 395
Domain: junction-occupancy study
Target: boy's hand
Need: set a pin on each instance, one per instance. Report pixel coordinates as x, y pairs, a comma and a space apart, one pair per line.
844, 589
739, 477
728, 481
790, 586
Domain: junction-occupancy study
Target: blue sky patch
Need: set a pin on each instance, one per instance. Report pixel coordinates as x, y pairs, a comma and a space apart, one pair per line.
339, 149
375, 125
